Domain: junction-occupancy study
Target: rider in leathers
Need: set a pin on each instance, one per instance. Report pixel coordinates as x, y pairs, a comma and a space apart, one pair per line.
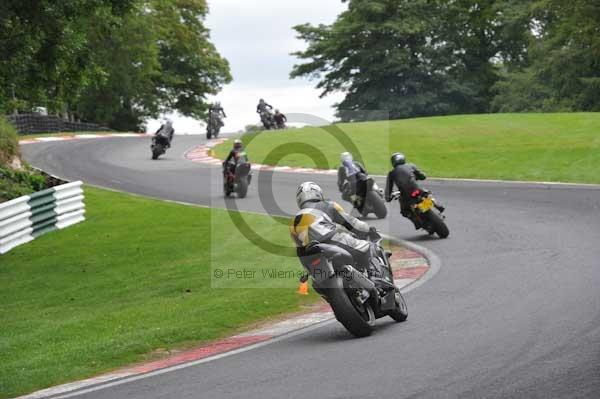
356, 175
167, 129
317, 221
229, 163
217, 110
404, 176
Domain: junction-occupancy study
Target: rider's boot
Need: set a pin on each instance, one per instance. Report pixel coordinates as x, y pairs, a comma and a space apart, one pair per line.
439, 206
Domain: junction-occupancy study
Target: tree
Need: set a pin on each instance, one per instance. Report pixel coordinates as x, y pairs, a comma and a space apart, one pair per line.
159, 59
191, 67
384, 54
43, 49
109, 61
414, 57
563, 73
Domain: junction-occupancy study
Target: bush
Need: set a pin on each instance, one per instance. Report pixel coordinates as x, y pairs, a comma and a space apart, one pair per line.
9, 142
16, 183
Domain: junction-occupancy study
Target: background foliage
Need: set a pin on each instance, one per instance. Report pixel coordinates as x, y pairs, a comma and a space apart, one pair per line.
437, 57
113, 62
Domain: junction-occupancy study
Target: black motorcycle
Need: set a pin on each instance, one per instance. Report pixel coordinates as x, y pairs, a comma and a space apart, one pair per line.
213, 127
268, 120
237, 176
372, 202
160, 142
425, 212
356, 298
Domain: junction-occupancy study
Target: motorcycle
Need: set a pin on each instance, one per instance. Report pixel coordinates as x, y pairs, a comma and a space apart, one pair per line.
356, 299
237, 176
424, 211
213, 127
160, 143
373, 202
268, 120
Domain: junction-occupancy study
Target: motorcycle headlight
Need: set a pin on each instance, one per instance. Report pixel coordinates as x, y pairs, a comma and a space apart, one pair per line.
375, 187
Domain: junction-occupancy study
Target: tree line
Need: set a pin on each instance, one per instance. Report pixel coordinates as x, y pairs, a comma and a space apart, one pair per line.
438, 57
112, 62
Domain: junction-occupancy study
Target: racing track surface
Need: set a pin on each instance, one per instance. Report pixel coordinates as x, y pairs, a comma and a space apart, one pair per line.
514, 311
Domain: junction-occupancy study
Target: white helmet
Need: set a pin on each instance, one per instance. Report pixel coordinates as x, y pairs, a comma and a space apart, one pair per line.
346, 156
308, 192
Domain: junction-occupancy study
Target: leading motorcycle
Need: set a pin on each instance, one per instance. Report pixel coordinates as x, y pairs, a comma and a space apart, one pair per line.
213, 127
356, 298
160, 143
268, 120
425, 212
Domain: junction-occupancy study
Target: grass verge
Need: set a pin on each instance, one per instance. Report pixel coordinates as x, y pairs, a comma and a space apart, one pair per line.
133, 279
547, 147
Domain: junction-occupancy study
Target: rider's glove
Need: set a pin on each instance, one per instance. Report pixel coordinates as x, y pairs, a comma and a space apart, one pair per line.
372, 232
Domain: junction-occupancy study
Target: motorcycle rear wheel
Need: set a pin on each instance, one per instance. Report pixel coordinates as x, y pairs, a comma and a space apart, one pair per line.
358, 322
437, 224
376, 203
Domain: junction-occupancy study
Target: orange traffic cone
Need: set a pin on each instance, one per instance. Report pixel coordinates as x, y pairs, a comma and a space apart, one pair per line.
303, 288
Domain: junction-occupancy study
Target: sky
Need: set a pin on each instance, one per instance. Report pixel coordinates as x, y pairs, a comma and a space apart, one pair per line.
256, 37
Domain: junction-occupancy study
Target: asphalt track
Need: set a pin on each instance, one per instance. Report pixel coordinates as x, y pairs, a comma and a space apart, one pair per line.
514, 311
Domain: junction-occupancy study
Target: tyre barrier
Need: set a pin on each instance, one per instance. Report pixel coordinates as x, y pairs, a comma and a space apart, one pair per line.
25, 218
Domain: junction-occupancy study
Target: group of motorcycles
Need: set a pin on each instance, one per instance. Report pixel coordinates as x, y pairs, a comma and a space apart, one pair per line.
356, 297
421, 205
270, 121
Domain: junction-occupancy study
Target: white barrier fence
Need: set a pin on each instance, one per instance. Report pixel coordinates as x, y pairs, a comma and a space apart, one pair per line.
25, 218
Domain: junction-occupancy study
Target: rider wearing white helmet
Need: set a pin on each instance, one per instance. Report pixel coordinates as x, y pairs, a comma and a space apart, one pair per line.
356, 175
317, 221
166, 129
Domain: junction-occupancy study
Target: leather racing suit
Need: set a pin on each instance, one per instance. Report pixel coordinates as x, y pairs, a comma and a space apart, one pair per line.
318, 221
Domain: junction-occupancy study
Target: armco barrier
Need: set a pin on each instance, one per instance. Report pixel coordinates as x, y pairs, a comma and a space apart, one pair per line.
27, 217
37, 123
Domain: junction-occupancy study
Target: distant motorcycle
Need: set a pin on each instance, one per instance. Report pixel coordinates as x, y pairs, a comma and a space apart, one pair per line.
161, 141
237, 176
213, 127
268, 120
281, 125
423, 210
373, 202
356, 299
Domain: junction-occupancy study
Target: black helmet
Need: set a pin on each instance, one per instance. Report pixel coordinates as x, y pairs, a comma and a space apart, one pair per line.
398, 159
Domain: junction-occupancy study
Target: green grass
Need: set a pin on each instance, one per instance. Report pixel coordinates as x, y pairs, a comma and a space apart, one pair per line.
132, 280
547, 147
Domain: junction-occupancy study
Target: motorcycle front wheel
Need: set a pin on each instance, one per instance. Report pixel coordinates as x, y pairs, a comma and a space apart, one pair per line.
400, 313
156, 153
242, 187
